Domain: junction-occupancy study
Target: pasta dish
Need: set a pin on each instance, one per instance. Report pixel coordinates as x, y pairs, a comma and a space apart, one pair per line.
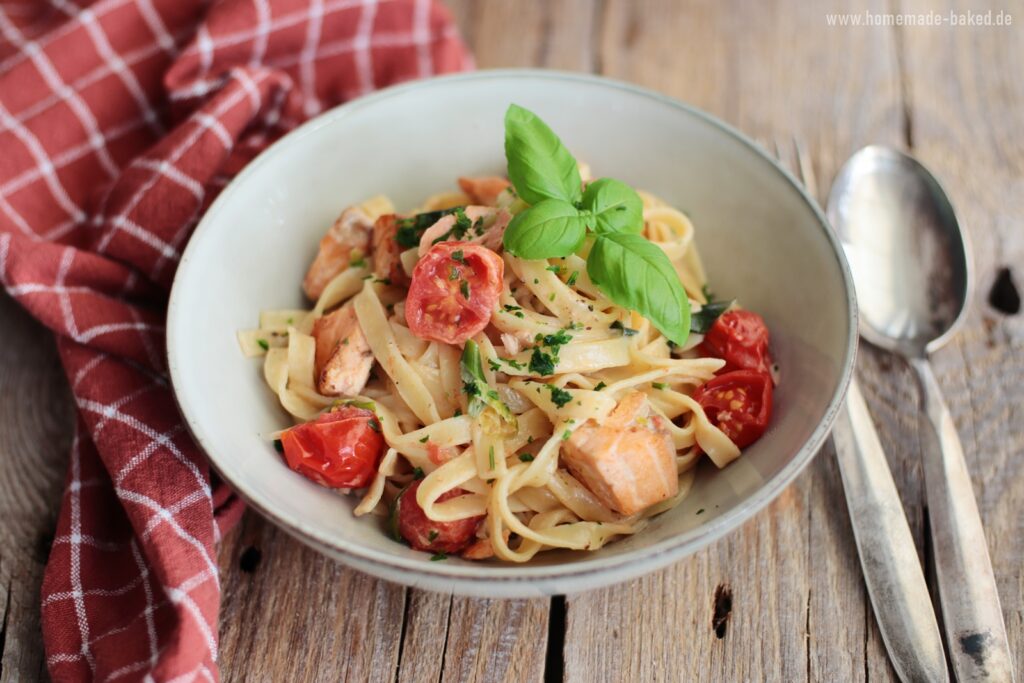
530, 363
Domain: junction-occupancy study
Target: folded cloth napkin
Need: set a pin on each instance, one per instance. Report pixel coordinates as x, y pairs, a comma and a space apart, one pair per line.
120, 121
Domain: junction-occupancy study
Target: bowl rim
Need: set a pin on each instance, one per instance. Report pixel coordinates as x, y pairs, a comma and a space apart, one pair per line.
600, 570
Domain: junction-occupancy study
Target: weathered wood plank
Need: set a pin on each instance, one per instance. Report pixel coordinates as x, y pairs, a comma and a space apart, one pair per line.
35, 434
496, 640
555, 35
291, 614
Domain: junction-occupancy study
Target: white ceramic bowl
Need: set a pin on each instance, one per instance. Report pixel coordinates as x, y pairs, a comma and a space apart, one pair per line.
762, 238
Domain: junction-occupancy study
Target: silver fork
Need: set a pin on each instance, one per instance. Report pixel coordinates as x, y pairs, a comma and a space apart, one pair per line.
888, 558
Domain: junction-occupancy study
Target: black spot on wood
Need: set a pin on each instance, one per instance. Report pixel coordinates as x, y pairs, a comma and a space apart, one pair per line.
250, 559
723, 608
43, 544
973, 645
554, 661
4, 626
1004, 296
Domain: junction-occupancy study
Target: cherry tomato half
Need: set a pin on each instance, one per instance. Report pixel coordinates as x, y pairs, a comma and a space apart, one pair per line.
411, 523
741, 339
454, 290
339, 449
739, 403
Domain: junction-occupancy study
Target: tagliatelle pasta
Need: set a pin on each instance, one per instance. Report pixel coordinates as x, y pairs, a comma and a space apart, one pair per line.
499, 406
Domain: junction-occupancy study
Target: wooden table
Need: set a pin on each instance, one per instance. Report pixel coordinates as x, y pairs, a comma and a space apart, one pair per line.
780, 599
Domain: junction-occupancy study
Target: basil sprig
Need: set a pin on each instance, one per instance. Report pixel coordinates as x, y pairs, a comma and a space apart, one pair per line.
628, 269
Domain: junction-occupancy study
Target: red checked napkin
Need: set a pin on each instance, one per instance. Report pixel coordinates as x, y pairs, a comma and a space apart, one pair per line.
120, 122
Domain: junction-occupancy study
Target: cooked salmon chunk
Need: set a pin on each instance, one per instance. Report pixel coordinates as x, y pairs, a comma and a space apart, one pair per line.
628, 461
484, 190
387, 253
348, 239
343, 357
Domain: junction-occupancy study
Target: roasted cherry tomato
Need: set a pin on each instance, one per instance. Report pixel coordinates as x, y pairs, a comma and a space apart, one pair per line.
410, 522
339, 449
739, 403
454, 290
740, 338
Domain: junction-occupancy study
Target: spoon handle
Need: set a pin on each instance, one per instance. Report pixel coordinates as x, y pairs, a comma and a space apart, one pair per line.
892, 571
967, 587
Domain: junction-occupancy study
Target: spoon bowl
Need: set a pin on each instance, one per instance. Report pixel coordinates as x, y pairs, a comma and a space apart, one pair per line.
905, 248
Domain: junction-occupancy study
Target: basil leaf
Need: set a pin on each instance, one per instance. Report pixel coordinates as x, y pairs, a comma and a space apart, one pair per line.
702, 320
546, 230
636, 274
615, 205
539, 165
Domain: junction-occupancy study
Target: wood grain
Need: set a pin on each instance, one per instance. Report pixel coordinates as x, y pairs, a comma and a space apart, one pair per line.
35, 430
963, 111
781, 598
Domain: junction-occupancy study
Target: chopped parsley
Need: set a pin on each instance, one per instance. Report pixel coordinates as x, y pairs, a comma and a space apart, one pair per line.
357, 263
517, 311
411, 229
425, 439
659, 385
626, 331
490, 457
572, 278
457, 413
374, 425
600, 386
554, 269
458, 255
438, 557
417, 473
706, 291
464, 288
453, 274
541, 363
494, 365
461, 227
559, 338
513, 363
566, 434
526, 457
701, 511
263, 344
278, 446
551, 296
559, 396
432, 536
382, 280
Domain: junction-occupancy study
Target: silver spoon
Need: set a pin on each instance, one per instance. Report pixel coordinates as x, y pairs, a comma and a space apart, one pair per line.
912, 272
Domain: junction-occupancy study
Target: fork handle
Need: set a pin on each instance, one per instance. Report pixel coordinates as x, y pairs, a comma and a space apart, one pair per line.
892, 571
967, 587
